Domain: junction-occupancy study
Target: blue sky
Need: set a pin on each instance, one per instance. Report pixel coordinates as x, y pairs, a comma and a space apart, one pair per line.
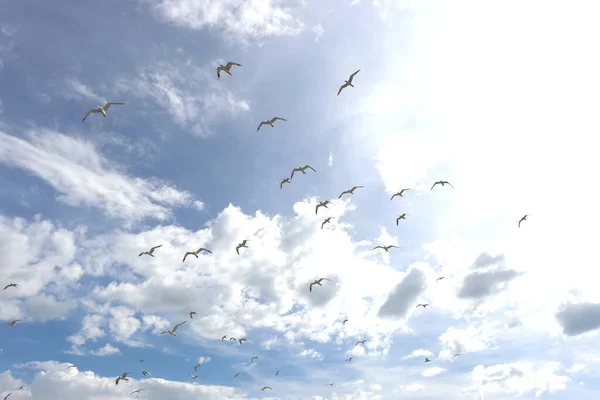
499, 98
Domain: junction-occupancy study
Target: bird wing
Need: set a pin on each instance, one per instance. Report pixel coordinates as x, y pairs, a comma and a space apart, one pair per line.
93, 110
231, 63
294, 171
177, 326
277, 118
343, 193
281, 184
356, 187
342, 88
449, 184
187, 254
261, 124
323, 224
237, 249
107, 105
433, 185
219, 68
394, 195
377, 247
353, 75
154, 248
201, 249
310, 286
317, 208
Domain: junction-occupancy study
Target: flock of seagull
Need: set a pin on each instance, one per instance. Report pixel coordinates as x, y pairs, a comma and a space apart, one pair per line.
244, 244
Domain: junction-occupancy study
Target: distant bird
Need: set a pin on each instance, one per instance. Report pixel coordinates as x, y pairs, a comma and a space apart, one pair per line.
322, 204
232, 338
326, 221
225, 68
400, 194
242, 340
236, 375
172, 331
239, 246
197, 366
224, 337
21, 387
136, 391
150, 252
266, 387
524, 218
440, 278
302, 169
386, 248
330, 384
194, 376
6, 397
317, 282
443, 183
351, 191
101, 110
286, 180
422, 305
195, 253
142, 360
360, 342
122, 378
348, 82
277, 373
427, 359
349, 359
253, 358
270, 122
192, 313
12, 323
401, 216
457, 355
344, 323
146, 373
71, 366
11, 285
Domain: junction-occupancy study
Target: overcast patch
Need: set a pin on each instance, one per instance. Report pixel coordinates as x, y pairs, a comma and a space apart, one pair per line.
576, 319
402, 297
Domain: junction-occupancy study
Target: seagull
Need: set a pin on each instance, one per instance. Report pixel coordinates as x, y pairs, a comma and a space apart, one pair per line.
122, 378
172, 331
302, 169
344, 323
145, 373
440, 278
521, 220
321, 204
330, 384
351, 191
195, 253
442, 183
386, 248
192, 314
286, 180
266, 387
317, 282
400, 193
194, 376
197, 366
427, 359
236, 375
252, 359
277, 373
422, 305
457, 355
243, 244
242, 340
12, 323
232, 338
349, 359
270, 122
6, 397
150, 252
327, 220
360, 342
101, 110
401, 216
142, 360
136, 391
71, 366
11, 285
348, 82
21, 387
226, 68
224, 337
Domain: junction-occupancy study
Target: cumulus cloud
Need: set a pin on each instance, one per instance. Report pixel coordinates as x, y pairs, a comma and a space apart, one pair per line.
83, 177
106, 350
311, 353
404, 295
577, 319
433, 371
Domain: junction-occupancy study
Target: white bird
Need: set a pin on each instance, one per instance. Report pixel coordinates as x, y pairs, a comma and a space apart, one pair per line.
302, 169
400, 193
270, 122
13, 323
150, 252
145, 373
123, 377
101, 110
11, 285
195, 253
351, 191
172, 331
226, 68
348, 82
317, 282
322, 204
239, 246
195, 376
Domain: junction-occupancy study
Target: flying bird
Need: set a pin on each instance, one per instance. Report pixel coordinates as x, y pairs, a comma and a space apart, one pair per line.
443, 183
401, 216
242, 340
351, 191
21, 387
145, 373
330, 384
136, 391
302, 169
226, 68
349, 359
232, 338
457, 355
224, 337
427, 359
286, 180
422, 305
172, 331
142, 360
150, 252
11, 285
360, 342
197, 366
236, 375
277, 373
6, 397
317, 282
270, 122
344, 323
12, 323
348, 82
440, 278
195, 253
322, 204
524, 218
400, 194
101, 110
266, 387
386, 248
122, 378
239, 246
194, 376
71, 366
192, 313
253, 358
327, 221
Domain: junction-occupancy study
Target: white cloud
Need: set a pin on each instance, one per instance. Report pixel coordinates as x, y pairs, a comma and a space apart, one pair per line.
318, 31
311, 353
73, 88
433, 371
193, 96
83, 177
419, 353
203, 360
576, 368
239, 20
330, 159
106, 350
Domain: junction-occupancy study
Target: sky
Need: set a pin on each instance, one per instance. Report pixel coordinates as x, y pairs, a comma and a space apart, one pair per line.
499, 98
